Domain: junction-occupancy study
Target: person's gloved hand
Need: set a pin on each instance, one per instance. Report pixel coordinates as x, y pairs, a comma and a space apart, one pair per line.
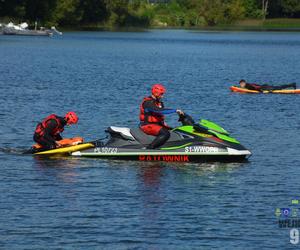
58, 145
179, 112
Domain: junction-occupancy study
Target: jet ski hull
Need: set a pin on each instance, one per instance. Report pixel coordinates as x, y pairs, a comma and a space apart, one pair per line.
193, 142
185, 154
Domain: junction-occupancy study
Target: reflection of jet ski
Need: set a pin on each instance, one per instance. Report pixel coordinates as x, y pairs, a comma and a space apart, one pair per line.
203, 141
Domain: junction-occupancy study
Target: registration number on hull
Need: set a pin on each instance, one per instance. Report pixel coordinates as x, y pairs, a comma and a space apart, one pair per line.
106, 150
202, 149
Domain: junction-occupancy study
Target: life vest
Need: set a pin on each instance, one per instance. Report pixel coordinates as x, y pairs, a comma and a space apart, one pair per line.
40, 128
151, 117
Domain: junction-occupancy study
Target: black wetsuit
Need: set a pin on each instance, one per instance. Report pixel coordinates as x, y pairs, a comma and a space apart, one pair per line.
150, 107
47, 140
265, 87
152, 121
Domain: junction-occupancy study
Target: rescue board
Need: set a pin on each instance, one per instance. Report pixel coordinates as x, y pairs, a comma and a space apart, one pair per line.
68, 146
248, 91
66, 150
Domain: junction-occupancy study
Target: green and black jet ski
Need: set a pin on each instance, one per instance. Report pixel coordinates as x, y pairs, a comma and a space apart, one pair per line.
192, 142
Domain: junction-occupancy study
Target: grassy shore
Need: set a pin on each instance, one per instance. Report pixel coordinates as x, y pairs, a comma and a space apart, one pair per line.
283, 24
276, 24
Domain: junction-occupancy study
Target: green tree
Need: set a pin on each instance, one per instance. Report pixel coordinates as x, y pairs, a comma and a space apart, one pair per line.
234, 10
66, 13
140, 13
118, 11
39, 10
212, 11
252, 9
290, 7
13, 8
93, 11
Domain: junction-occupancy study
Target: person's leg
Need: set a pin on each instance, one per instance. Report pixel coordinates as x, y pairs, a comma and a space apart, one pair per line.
280, 87
151, 129
288, 86
46, 145
161, 138
267, 88
162, 134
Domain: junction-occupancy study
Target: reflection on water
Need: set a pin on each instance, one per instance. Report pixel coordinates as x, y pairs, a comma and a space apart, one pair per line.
63, 168
151, 174
152, 196
56, 161
11, 150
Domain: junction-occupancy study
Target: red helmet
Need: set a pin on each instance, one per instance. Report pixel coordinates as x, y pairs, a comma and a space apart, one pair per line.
71, 118
158, 90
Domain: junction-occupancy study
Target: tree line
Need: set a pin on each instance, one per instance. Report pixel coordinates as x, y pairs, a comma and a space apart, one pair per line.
144, 13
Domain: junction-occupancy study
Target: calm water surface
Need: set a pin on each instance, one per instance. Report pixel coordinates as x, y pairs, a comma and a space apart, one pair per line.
68, 203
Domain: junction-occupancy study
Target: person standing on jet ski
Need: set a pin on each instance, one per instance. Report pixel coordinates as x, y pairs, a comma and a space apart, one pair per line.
47, 133
265, 87
152, 119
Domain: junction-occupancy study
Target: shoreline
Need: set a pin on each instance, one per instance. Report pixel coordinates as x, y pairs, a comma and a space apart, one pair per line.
254, 25
247, 25
206, 29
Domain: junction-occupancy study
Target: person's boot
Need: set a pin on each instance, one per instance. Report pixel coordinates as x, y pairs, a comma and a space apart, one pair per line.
158, 141
162, 137
292, 85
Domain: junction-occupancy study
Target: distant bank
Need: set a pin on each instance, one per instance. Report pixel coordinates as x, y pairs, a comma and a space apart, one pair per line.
275, 24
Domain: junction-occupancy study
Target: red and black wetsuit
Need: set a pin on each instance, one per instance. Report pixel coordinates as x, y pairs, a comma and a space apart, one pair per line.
265, 87
48, 131
152, 120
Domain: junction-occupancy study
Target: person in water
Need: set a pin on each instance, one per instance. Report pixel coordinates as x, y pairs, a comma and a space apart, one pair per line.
152, 119
265, 87
47, 133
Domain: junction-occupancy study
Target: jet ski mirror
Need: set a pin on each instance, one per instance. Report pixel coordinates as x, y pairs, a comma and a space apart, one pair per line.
187, 120
200, 129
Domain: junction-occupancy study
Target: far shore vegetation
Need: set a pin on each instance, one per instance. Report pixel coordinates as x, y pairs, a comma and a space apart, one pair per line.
190, 14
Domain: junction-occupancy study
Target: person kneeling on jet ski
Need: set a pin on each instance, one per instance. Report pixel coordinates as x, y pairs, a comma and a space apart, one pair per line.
265, 87
47, 133
152, 118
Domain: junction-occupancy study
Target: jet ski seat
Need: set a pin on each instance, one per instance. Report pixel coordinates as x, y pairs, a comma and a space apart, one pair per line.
145, 139
141, 137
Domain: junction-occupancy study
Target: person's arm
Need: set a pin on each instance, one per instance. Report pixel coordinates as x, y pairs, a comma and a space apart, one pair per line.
150, 106
58, 137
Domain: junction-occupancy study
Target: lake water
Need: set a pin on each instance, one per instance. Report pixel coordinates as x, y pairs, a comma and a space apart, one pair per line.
68, 203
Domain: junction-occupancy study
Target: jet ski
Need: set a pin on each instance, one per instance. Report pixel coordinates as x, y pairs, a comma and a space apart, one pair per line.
192, 142
68, 145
